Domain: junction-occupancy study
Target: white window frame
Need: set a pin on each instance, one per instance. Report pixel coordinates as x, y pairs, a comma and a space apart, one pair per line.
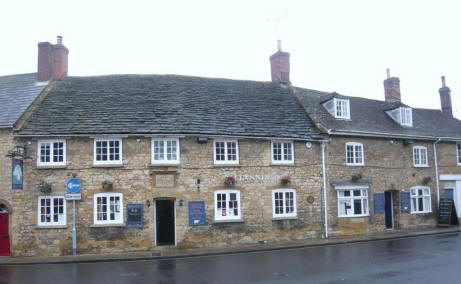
218, 215
284, 214
364, 197
118, 220
344, 108
354, 155
51, 142
458, 154
165, 151
226, 152
420, 149
414, 195
283, 161
108, 162
61, 217
406, 118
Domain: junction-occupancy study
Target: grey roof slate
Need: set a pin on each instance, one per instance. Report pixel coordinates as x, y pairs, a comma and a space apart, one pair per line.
169, 104
17, 92
369, 117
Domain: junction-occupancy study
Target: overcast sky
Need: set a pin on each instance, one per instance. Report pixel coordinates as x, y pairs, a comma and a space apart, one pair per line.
342, 46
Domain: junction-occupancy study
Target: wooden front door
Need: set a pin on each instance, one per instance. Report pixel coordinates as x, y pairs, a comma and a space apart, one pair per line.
165, 222
4, 235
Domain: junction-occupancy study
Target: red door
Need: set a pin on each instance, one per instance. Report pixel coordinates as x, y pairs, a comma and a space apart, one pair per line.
4, 236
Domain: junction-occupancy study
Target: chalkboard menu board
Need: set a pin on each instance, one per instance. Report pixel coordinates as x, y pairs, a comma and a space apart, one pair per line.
196, 213
405, 202
134, 216
447, 212
378, 202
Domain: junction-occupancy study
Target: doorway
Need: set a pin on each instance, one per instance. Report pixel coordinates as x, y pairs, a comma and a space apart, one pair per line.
4, 231
389, 209
165, 222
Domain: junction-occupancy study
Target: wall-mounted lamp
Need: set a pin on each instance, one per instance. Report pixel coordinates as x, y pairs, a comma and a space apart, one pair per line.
181, 202
148, 203
19, 151
197, 182
202, 139
407, 142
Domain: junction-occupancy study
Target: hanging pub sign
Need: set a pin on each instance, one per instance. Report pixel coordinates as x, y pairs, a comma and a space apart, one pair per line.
197, 213
134, 215
17, 174
447, 213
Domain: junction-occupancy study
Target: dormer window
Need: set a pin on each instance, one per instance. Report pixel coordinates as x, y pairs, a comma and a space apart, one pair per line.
339, 108
402, 115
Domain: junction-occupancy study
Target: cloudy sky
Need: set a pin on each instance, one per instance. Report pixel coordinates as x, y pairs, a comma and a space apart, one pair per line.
342, 46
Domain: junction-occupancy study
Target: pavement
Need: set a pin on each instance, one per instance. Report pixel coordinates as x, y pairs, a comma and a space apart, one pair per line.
174, 252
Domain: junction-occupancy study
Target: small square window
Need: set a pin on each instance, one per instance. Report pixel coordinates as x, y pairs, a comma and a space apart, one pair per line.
354, 154
420, 156
165, 151
283, 203
282, 152
226, 152
51, 152
107, 151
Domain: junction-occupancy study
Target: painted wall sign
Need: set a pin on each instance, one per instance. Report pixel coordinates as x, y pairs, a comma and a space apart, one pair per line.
197, 213
134, 215
73, 196
73, 185
405, 202
378, 202
310, 199
164, 180
17, 174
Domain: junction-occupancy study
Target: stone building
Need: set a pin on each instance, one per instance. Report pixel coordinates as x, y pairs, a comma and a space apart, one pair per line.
385, 159
175, 161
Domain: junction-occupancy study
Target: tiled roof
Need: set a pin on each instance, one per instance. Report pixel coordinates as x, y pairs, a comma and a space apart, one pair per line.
169, 104
370, 117
17, 92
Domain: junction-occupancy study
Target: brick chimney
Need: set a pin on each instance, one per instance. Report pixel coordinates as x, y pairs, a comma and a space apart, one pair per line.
445, 98
52, 60
280, 65
391, 88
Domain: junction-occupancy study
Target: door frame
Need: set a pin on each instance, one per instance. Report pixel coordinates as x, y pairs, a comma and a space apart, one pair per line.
392, 208
155, 219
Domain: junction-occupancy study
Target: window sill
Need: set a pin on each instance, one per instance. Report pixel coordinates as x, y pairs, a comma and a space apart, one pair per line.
228, 221
106, 225
354, 216
422, 166
107, 166
54, 167
43, 227
284, 218
164, 165
227, 165
421, 212
355, 165
290, 164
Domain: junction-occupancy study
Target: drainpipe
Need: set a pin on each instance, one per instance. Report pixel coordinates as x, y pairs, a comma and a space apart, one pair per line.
325, 200
436, 171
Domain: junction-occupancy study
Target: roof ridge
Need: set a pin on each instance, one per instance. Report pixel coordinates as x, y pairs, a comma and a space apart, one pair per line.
21, 74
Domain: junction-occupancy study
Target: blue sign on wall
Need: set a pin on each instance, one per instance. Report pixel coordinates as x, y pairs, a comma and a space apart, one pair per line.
449, 193
73, 185
134, 215
405, 202
378, 202
17, 174
197, 213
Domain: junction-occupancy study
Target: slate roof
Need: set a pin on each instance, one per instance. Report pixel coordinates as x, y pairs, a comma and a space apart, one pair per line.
370, 117
17, 92
169, 104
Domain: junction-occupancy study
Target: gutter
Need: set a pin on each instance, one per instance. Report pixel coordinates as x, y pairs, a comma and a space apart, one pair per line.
325, 197
436, 170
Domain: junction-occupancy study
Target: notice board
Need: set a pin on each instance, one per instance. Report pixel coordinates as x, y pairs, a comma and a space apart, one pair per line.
405, 202
197, 213
447, 212
378, 203
134, 216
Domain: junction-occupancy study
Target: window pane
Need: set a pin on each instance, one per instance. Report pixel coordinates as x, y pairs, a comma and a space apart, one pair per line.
357, 206
277, 151
220, 152
231, 151
287, 155
420, 204
45, 152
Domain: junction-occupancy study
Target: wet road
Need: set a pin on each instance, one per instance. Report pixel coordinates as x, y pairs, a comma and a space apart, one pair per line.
430, 259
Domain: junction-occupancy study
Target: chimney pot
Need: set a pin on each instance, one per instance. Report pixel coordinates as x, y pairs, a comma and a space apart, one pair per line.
59, 39
391, 88
445, 98
280, 65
